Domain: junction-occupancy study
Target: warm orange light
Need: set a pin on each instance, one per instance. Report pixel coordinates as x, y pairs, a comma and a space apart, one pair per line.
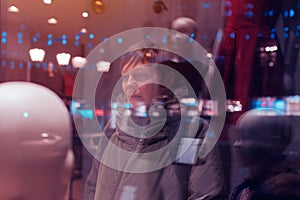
98, 6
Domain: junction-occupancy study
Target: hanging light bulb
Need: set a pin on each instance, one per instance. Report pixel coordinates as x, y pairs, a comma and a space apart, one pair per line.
78, 61
37, 55
98, 6
63, 58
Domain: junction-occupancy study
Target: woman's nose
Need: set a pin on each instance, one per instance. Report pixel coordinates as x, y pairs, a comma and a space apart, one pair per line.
130, 86
130, 80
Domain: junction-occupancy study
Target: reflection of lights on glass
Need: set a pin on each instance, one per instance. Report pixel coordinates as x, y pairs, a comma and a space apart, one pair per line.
232, 35
44, 135
103, 66
49, 42
102, 50
271, 48
47, 2
25, 114
293, 105
12, 64
85, 14
78, 61
164, 39
292, 13
141, 110
3, 40
234, 106
83, 30
52, 20
3, 63
271, 64
148, 54
293, 99
209, 55
91, 36
63, 58
286, 28
279, 104
37, 55
13, 9
206, 5
99, 112
188, 101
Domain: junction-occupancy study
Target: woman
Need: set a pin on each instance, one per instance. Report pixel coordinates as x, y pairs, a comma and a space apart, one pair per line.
153, 152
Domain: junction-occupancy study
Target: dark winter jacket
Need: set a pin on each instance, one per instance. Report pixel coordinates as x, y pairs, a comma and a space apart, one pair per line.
183, 179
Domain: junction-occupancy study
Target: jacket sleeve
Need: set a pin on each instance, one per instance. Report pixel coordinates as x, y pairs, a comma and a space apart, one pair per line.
206, 177
91, 182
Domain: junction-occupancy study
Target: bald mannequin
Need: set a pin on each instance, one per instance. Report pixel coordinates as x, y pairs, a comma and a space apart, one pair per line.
35, 151
259, 148
184, 25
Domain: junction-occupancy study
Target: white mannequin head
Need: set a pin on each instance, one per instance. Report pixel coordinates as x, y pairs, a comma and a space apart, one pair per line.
35, 149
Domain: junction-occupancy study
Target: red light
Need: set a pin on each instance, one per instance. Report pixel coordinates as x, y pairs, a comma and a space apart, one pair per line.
99, 112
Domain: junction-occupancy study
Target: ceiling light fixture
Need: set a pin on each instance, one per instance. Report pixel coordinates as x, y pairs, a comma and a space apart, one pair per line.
103, 66
78, 61
37, 55
47, 2
83, 30
98, 6
63, 58
13, 9
85, 14
52, 20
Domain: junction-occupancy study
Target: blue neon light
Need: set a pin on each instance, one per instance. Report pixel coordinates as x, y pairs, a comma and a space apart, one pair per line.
4, 34
91, 36
25, 114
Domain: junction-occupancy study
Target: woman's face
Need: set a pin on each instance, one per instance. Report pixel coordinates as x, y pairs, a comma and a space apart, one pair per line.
140, 85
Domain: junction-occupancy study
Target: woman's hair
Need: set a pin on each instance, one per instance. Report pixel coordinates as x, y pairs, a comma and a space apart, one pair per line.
140, 57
